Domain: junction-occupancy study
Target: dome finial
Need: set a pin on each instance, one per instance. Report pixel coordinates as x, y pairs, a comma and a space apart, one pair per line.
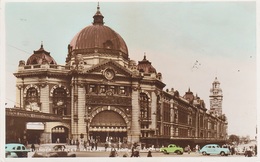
41, 44
98, 7
144, 56
98, 17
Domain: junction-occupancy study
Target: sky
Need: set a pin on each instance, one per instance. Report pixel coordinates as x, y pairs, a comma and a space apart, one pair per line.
219, 36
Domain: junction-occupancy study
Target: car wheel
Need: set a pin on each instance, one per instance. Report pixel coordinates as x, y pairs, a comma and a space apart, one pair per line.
178, 152
222, 153
72, 155
165, 152
204, 153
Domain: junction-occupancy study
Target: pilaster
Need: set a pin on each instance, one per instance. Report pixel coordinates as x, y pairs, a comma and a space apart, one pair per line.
81, 110
135, 129
153, 110
172, 118
45, 99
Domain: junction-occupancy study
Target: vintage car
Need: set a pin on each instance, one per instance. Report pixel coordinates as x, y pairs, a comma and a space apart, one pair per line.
172, 149
214, 149
13, 150
53, 150
239, 151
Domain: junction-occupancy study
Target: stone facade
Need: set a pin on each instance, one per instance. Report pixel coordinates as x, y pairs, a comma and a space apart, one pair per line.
103, 95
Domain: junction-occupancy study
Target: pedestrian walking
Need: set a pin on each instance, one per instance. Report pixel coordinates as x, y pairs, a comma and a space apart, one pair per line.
106, 146
132, 151
77, 144
33, 147
85, 144
92, 145
113, 152
188, 149
248, 153
232, 150
135, 151
96, 143
149, 154
197, 148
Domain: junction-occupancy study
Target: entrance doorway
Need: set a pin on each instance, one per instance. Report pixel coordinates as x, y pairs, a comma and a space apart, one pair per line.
108, 126
109, 136
59, 134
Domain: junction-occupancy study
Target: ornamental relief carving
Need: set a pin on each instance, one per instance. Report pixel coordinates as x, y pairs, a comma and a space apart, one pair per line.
108, 100
110, 68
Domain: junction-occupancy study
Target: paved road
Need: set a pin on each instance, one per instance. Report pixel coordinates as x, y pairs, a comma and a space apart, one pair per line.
144, 154
102, 153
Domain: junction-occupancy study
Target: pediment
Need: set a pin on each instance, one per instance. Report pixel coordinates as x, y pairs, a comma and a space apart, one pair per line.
108, 68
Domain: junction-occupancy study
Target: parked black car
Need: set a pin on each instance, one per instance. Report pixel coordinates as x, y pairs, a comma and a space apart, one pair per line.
53, 150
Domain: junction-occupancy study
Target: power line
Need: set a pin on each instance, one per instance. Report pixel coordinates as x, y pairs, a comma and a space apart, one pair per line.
11, 100
18, 49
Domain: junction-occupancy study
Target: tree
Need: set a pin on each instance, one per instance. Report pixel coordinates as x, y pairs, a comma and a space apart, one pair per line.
233, 138
245, 139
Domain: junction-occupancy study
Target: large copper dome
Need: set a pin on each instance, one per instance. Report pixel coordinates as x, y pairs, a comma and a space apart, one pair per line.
98, 37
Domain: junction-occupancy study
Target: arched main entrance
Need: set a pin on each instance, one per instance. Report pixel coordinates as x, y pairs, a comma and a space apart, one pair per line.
59, 134
108, 126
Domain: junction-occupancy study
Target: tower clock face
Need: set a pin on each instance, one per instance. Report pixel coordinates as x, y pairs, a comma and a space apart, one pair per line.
109, 74
215, 102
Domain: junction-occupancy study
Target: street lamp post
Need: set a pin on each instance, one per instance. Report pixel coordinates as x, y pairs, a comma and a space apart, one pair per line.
86, 119
157, 135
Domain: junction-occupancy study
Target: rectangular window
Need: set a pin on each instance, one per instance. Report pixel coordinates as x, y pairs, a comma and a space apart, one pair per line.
122, 90
92, 88
102, 89
113, 89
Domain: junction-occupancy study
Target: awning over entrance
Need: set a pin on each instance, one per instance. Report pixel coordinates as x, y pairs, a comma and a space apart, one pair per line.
31, 116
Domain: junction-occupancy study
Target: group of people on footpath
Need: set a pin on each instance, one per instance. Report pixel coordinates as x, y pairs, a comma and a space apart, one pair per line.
248, 152
91, 144
135, 152
196, 149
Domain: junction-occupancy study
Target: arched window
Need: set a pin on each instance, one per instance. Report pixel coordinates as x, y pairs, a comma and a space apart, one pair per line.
144, 106
32, 94
59, 101
32, 99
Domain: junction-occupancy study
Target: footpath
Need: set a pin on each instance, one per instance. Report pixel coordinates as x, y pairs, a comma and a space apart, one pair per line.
73, 148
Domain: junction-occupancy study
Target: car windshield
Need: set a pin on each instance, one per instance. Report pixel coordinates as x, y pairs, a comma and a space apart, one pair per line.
52, 148
59, 147
45, 148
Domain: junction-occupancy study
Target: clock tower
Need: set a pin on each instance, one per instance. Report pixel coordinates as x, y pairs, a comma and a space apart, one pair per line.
216, 98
